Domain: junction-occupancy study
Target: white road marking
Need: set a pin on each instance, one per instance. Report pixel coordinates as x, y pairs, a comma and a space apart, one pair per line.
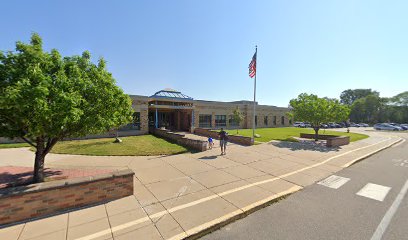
400, 162
374, 191
334, 181
144, 219
379, 232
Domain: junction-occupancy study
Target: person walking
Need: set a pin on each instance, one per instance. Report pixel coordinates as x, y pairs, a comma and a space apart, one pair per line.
223, 141
210, 142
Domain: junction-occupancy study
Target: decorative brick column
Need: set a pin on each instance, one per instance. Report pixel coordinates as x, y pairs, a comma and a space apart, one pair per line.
144, 120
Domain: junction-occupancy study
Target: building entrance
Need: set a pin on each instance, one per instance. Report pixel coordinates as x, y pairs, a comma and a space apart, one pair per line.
175, 120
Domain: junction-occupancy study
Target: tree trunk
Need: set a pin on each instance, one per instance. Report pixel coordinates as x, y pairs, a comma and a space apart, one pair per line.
39, 161
43, 148
316, 129
39, 167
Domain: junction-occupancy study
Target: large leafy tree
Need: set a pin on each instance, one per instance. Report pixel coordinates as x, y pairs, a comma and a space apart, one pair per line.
311, 108
400, 99
45, 98
349, 96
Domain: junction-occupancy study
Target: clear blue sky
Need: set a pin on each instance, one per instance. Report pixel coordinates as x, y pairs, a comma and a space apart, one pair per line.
203, 48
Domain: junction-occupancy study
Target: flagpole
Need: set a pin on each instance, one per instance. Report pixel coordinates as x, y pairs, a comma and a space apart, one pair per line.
253, 119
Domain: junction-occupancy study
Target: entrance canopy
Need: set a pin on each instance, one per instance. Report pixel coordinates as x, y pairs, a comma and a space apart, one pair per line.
170, 99
172, 94
171, 109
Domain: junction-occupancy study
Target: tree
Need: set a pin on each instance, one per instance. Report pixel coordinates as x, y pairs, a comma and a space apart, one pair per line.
238, 117
45, 98
367, 109
350, 95
400, 99
311, 108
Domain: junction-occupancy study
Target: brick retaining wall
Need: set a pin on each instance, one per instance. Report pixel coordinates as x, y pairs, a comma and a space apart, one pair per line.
338, 141
178, 138
41, 199
247, 141
331, 140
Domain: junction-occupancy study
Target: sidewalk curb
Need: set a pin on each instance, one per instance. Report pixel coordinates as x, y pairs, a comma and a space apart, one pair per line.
240, 215
359, 159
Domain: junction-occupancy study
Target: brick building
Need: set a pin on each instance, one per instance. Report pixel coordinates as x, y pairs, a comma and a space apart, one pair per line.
176, 111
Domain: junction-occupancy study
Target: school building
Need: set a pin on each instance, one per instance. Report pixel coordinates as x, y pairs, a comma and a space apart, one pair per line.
173, 110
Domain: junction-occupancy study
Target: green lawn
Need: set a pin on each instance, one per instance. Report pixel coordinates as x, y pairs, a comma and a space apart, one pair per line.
13, 145
145, 145
287, 133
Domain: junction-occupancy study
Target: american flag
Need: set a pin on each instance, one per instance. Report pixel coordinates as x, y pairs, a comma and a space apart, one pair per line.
252, 66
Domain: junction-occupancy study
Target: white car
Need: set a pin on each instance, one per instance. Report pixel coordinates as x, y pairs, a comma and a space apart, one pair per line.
299, 124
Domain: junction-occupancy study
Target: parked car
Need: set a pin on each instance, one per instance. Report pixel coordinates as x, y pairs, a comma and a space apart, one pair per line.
386, 126
400, 125
298, 124
363, 125
334, 125
323, 125
307, 125
404, 127
354, 125
340, 124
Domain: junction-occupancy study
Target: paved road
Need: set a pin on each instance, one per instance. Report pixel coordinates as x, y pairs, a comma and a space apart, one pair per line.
322, 212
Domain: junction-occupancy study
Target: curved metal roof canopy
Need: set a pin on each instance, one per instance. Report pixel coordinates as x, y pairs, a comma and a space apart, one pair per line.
170, 93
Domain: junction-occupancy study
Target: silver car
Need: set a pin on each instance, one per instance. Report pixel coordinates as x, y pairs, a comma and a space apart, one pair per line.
386, 126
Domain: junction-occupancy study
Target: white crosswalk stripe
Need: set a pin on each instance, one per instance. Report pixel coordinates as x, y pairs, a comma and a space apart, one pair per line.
374, 191
334, 181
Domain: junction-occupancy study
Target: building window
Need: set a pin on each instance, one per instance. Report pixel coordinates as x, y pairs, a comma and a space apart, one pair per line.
283, 120
274, 120
232, 122
256, 120
266, 120
136, 120
220, 121
134, 125
204, 121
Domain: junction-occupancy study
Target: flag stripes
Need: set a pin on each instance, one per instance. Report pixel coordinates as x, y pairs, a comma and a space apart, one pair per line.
252, 66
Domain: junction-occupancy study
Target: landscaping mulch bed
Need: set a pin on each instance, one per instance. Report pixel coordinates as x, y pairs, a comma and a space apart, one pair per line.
12, 176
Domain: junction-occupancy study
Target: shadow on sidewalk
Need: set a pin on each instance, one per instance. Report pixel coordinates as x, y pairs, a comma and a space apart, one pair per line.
307, 145
209, 157
24, 177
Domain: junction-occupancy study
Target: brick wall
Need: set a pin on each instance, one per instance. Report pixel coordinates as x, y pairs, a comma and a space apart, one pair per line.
331, 140
178, 138
338, 141
247, 141
37, 200
320, 136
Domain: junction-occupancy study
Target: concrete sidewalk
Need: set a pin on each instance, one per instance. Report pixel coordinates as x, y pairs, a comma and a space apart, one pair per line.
183, 195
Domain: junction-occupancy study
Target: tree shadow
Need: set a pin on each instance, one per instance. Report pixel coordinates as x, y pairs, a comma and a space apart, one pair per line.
8, 179
209, 157
319, 146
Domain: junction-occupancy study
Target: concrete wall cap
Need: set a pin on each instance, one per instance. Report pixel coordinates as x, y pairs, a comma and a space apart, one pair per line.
37, 187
